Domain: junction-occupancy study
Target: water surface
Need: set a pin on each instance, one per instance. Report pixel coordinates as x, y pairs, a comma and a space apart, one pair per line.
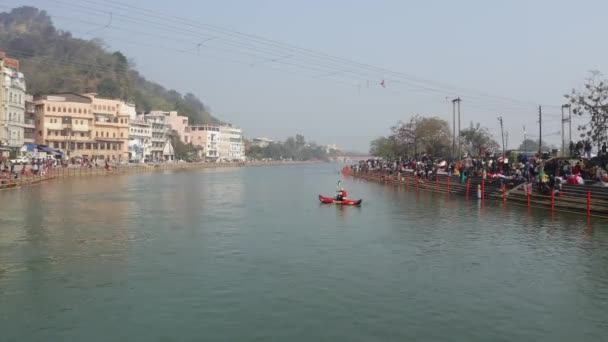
250, 255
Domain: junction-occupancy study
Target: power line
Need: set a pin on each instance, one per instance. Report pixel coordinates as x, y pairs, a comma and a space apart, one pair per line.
275, 45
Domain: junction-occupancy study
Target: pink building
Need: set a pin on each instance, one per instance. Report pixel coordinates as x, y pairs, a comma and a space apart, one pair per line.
178, 123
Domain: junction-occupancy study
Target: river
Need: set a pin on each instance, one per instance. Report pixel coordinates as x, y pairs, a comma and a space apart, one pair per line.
248, 254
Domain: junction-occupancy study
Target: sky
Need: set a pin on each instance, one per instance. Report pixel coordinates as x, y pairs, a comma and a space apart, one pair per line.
501, 58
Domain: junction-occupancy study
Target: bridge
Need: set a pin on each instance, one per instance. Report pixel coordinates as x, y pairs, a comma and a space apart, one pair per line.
349, 158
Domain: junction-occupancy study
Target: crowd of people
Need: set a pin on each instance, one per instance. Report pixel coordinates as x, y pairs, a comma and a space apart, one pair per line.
42, 166
547, 175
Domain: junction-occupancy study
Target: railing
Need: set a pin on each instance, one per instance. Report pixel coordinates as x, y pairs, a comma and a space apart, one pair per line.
25, 176
578, 199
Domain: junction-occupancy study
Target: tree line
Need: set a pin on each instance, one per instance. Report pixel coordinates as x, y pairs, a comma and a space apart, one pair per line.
293, 148
431, 136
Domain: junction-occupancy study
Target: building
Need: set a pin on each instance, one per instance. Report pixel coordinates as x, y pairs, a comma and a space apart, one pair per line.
83, 126
140, 139
332, 148
12, 103
29, 128
66, 122
177, 123
261, 142
207, 139
160, 142
111, 126
231, 143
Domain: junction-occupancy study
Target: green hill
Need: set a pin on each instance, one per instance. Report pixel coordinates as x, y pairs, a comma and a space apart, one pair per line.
54, 61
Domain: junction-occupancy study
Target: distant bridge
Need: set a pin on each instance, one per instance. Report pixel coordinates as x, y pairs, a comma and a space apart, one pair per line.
347, 158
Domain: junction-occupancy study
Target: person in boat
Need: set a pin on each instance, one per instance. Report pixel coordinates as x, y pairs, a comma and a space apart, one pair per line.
341, 193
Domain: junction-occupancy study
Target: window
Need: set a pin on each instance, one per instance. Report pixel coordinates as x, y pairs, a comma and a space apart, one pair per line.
113, 135
48, 109
121, 135
69, 109
54, 109
55, 144
88, 146
97, 134
82, 135
64, 110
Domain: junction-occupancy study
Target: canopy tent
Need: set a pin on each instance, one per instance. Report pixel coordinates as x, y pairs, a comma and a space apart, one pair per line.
44, 148
28, 147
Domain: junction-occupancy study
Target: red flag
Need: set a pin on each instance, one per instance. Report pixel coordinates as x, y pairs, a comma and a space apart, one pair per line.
382, 84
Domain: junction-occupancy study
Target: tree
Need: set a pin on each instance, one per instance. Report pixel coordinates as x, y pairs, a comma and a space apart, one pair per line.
108, 88
592, 102
476, 140
434, 136
182, 151
420, 135
383, 147
530, 145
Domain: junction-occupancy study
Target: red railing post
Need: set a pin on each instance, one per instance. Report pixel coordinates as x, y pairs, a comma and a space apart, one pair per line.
448, 183
528, 195
504, 193
436, 183
483, 189
417, 182
468, 187
588, 203
552, 199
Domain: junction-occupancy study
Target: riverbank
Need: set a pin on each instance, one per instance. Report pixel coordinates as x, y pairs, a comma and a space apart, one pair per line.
591, 201
29, 179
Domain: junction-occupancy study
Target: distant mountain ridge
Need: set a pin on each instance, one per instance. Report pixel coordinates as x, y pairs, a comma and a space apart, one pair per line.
53, 61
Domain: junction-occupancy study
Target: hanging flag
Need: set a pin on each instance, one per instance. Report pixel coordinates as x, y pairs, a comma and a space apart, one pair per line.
383, 84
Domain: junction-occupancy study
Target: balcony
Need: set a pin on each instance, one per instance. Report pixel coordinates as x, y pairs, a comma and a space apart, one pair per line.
29, 123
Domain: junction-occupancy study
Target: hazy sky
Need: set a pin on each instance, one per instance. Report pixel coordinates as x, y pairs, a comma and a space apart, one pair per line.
529, 51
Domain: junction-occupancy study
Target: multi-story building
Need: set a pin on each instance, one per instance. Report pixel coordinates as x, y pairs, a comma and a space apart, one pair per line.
66, 122
177, 123
83, 125
231, 143
29, 128
111, 127
12, 112
140, 139
160, 142
206, 138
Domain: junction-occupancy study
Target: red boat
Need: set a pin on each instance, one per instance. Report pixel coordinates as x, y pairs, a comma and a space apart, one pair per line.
332, 200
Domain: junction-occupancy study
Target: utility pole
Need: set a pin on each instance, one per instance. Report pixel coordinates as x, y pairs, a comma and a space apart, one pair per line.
540, 131
453, 129
507, 140
569, 123
502, 133
454, 102
563, 143
459, 142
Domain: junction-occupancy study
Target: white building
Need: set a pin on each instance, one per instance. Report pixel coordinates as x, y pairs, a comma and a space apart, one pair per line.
231, 143
261, 142
12, 114
140, 139
159, 141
